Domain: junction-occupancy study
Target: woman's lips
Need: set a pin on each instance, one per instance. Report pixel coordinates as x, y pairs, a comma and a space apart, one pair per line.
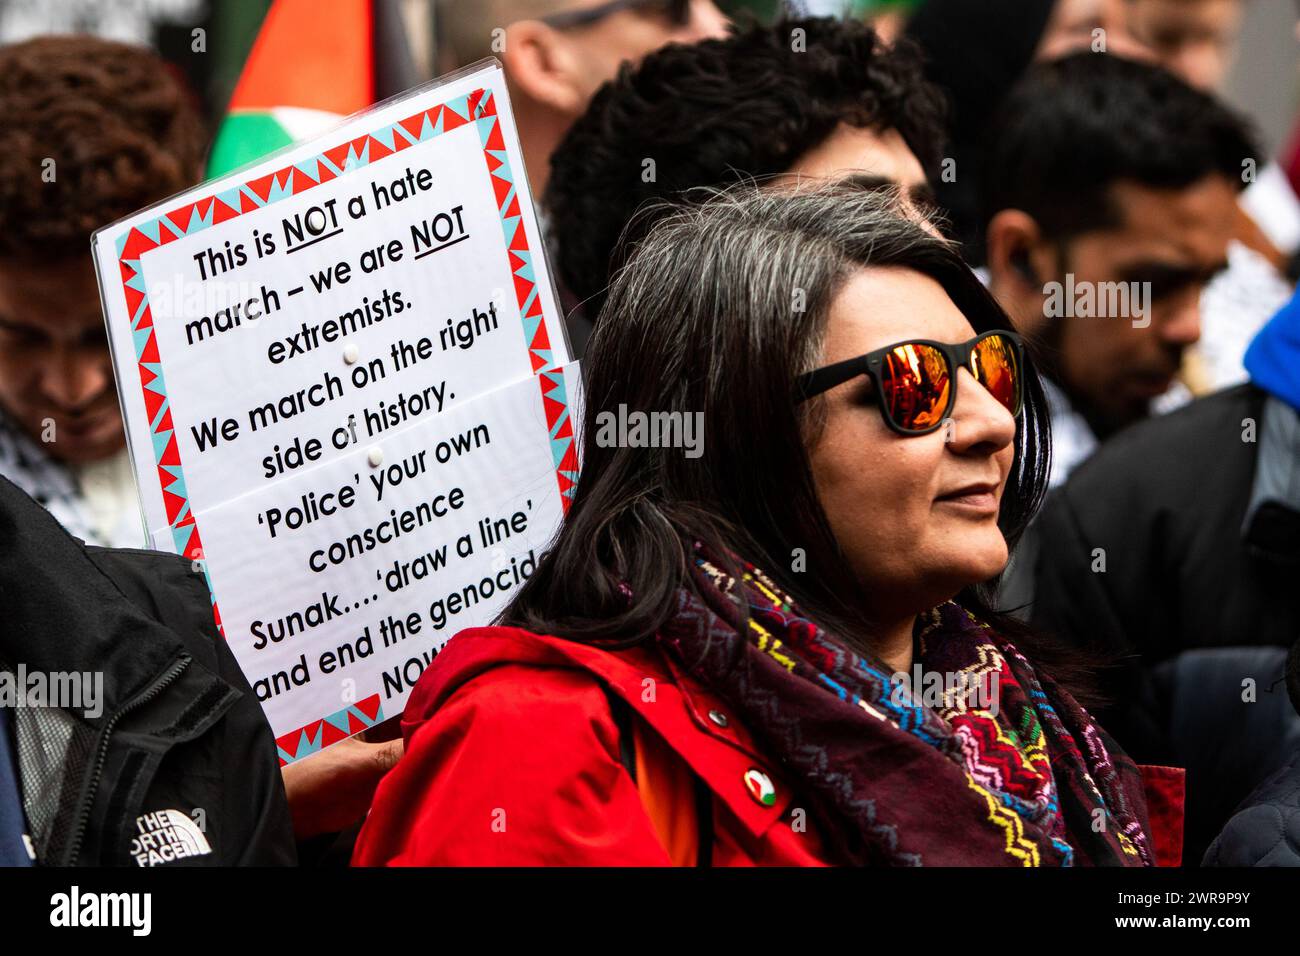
978, 499
985, 502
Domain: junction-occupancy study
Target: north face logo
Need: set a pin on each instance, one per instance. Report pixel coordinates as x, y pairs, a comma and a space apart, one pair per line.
166, 836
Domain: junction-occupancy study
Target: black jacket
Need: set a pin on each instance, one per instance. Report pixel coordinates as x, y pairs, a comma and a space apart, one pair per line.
1187, 607
1227, 745
180, 767
1266, 830
1165, 502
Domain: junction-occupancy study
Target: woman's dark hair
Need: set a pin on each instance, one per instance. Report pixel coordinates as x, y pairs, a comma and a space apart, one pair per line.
722, 306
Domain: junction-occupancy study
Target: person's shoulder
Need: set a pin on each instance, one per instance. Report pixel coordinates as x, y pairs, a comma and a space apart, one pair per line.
526, 683
533, 736
1201, 427
542, 714
1178, 449
166, 587
1265, 830
508, 674
139, 573
528, 697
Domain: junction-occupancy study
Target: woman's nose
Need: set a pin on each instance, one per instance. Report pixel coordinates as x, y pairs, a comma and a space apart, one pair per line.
979, 421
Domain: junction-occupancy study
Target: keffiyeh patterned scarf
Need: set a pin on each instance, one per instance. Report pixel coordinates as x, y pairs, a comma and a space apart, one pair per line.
24, 463
1002, 768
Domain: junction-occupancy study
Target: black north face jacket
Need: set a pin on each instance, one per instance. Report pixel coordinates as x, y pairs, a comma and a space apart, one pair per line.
179, 767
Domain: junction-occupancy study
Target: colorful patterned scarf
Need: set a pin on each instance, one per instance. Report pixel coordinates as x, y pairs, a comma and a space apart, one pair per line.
999, 768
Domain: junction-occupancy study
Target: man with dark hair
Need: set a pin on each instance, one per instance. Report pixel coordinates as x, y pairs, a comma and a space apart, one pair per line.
1173, 551
93, 130
1197, 40
1110, 200
808, 97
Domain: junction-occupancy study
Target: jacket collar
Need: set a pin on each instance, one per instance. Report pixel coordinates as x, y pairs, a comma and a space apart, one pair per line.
60, 612
694, 722
1272, 525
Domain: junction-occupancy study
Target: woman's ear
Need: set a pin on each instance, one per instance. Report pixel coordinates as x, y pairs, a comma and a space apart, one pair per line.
543, 65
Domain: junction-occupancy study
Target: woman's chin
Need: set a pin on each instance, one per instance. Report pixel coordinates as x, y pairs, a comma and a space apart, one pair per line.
982, 559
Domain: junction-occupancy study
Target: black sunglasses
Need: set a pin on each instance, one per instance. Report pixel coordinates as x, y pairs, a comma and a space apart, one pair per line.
677, 12
916, 381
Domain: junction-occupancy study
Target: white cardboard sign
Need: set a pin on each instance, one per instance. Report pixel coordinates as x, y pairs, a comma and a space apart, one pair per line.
343, 373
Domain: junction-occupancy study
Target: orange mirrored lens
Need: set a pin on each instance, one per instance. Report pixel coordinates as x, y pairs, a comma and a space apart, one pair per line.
993, 363
915, 381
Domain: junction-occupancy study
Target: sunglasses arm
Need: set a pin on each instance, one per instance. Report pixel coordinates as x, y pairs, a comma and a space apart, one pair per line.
824, 379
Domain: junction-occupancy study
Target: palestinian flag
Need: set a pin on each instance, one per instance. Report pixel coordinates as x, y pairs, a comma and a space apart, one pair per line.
311, 65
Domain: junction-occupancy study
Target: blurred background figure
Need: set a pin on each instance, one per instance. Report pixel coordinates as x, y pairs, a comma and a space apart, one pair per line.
1197, 39
977, 50
1265, 829
886, 17
1088, 24
557, 53
1105, 170
811, 98
1195, 519
93, 130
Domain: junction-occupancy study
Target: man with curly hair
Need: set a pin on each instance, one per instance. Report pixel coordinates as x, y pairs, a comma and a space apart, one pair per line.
93, 130
804, 98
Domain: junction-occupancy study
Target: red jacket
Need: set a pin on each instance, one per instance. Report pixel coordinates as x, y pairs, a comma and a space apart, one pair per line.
513, 759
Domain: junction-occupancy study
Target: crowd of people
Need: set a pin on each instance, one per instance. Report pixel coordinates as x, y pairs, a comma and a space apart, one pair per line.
988, 312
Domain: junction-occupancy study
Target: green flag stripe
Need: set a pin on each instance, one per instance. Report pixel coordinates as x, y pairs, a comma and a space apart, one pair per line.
244, 137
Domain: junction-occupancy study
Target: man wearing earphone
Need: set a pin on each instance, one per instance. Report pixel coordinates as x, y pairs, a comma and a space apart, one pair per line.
1111, 201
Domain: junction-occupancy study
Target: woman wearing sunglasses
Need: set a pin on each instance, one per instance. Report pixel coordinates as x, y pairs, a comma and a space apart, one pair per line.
707, 667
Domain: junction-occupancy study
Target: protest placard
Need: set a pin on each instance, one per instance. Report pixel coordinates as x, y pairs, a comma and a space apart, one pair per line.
347, 394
